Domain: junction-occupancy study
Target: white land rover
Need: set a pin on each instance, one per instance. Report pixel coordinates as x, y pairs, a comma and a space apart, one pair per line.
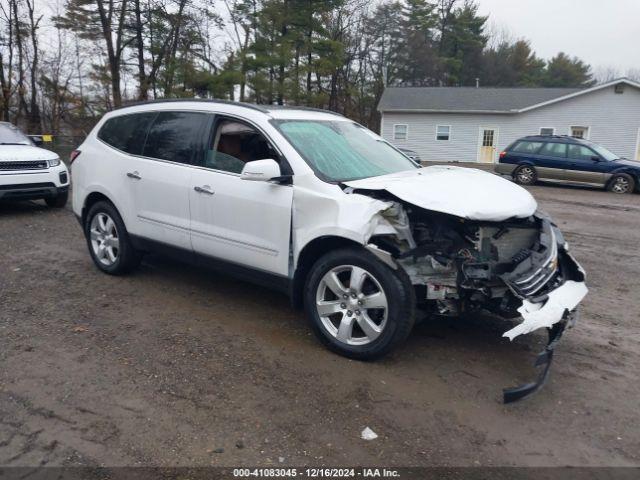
28, 172
322, 208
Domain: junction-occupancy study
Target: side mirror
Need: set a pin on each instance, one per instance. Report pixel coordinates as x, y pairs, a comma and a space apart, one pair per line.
595, 158
261, 170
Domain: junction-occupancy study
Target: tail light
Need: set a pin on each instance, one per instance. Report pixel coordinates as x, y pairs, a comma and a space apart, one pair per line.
502, 154
73, 155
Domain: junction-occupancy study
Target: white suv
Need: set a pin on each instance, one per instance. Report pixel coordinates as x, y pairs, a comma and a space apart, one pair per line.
28, 172
316, 205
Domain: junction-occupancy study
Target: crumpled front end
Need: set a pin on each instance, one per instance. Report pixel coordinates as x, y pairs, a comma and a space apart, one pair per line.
516, 268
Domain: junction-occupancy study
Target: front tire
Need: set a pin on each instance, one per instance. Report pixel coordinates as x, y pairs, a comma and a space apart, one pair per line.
357, 306
108, 240
59, 201
621, 183
525, 175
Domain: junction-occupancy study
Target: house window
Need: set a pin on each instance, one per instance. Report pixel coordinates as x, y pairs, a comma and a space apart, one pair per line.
443, 132
547, 131
580, 132
401, 132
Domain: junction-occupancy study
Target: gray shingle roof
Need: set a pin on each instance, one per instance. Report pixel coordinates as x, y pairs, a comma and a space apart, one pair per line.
467, 99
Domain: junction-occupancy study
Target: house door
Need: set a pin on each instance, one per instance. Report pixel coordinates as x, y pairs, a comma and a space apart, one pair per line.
488, 142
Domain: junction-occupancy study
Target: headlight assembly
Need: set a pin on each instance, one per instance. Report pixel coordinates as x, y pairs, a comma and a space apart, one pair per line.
54, 163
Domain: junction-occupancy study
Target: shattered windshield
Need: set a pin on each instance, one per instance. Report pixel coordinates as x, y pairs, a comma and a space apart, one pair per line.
10, 135
342, 150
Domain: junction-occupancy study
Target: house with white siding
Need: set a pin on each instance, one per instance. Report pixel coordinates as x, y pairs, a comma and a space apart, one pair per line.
475, 124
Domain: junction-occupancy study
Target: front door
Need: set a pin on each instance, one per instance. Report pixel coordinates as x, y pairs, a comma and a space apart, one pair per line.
585, 166
488, 142
240, 221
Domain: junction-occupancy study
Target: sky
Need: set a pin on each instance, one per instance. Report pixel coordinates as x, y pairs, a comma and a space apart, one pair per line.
604, 33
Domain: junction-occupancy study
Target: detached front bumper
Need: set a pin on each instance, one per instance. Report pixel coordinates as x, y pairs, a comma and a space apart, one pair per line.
554, 308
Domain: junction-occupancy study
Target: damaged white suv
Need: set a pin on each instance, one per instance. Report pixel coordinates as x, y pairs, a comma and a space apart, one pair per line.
320, 207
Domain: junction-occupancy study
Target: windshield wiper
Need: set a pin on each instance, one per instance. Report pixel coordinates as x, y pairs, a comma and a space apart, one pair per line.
13, 143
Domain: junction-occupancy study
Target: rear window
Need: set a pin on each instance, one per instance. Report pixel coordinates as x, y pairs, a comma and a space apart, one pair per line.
174, 136
526, 147
554, 150
127, 132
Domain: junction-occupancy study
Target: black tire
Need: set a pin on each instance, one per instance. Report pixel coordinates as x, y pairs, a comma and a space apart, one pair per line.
621, 183
525, 175
59, 201
400, 299
127, 257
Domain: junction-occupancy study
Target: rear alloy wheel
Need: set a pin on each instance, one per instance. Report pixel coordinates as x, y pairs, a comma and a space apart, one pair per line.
105, 241
621, 183
525, 175
358, 306
108, 240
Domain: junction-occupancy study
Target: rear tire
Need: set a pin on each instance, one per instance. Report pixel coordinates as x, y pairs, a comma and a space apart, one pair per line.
108, 240
59, 201
358, 307
621, 183
525, 175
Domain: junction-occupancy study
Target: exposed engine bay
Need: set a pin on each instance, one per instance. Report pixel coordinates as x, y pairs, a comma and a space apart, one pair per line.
514, 268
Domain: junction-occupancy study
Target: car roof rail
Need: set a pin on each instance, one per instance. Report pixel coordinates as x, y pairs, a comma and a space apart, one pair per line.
253, 106
197, 100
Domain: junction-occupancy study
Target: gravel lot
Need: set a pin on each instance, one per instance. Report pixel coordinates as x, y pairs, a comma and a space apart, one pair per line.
179, 366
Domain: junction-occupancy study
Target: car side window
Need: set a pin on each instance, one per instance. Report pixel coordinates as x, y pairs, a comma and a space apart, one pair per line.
175, 136
234, 143
127, 132
580, 152
527, 147
554, 150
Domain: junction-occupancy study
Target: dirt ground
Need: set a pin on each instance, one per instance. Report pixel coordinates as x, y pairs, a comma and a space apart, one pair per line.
173, 365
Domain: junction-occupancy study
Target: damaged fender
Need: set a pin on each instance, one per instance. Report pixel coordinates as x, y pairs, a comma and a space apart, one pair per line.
354, 217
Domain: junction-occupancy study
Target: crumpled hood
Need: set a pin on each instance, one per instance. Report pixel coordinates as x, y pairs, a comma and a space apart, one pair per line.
463, 192
17, 153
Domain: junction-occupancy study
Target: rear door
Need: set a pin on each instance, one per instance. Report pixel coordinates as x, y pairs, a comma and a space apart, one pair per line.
551, 161
160, 178
240, 221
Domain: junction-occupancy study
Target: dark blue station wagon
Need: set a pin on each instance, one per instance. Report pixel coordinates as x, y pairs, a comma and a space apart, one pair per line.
570, 160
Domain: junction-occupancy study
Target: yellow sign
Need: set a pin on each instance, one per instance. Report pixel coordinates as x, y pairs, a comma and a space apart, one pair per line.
47, 138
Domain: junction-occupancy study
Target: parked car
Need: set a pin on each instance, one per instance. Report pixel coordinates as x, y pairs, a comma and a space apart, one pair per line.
323, 209
411, 154
28, 172
568, 159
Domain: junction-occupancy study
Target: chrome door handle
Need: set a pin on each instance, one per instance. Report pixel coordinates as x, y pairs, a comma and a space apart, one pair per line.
134, 175
205, 189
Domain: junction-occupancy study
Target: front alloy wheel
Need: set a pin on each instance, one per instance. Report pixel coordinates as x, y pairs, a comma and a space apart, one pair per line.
358, 306
352, 305
621, 183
